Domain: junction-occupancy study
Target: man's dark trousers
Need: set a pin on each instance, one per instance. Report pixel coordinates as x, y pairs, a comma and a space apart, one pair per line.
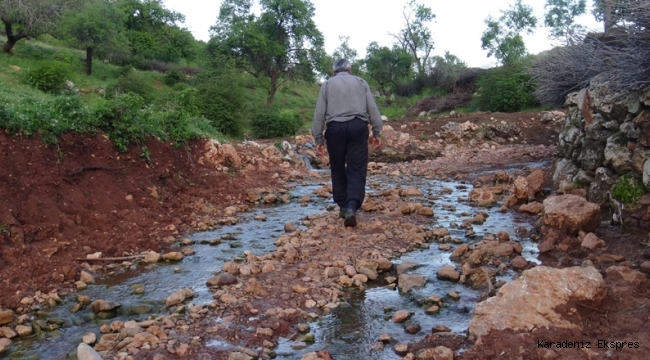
347, 145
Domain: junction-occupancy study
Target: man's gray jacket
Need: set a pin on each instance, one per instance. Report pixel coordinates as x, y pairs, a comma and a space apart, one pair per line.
342, 98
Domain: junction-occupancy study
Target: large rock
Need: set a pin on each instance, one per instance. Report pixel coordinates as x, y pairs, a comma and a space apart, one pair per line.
604, 179
617, 155
448, 272
643, 123
6, 316
103, 305
565, 170
592, 155
85, 352
407, 282
178, 297
571, 213
570, 140
531, 300
5, 345
218, 155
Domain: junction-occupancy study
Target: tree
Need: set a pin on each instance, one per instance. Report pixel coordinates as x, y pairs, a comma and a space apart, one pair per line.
560, 15
98, 27
386, 67
283, 43
502, 38
611, 12
154, 31
442, 71
29, 18
415, 37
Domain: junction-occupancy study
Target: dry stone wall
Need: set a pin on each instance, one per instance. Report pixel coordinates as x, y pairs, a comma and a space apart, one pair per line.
606, 135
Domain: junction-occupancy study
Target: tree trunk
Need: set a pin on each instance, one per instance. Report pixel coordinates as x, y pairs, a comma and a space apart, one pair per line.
273, 89
89, 60
608, 15
11, 38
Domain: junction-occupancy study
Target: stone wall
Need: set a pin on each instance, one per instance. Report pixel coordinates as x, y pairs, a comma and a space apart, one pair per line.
605, 136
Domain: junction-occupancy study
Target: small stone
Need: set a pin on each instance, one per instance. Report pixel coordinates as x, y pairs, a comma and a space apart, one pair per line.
440, 328
519, 263
433, 310
24, 330
8, 332
448, 273
454, 295
290, 227
385, 338
592, 242
89, 338
412, 328
401, 349
401, 316
5, 345
645, 266
129, 198
103, 305
173, 256
152, 257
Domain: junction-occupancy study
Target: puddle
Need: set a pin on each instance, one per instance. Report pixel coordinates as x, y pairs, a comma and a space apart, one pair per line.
356, 324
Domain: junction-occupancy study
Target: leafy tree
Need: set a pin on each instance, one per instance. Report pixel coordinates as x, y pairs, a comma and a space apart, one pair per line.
30, 18
153, 31
611, 12
98, 27
280, 44
560, 15
343, 51
415, 37
386, 67
502, 38
443, 70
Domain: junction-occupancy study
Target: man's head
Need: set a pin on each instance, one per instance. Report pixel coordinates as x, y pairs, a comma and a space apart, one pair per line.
342, 65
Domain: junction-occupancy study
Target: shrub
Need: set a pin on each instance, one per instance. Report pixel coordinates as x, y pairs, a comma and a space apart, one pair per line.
132, 82
271, 123
72, 114
505, 89
628, 189
49, 76
221, 99
124, 119
173, 77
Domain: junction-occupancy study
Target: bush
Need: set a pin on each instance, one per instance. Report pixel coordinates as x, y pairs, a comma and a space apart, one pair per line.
72, 115
49, 77
221, 99
505, 89
628, 189
125, 120
173, 77
133, 82
272, 123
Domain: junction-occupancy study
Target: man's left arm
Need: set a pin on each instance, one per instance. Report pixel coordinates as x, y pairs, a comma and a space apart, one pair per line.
373, 112
318, 123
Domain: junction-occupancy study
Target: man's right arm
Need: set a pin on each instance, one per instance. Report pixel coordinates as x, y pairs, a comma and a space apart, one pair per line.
373, 112
318, 122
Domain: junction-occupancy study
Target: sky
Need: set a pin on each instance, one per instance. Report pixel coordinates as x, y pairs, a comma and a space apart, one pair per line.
457, 28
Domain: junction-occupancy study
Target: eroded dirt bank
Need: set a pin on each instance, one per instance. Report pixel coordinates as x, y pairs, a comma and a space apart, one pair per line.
60, 204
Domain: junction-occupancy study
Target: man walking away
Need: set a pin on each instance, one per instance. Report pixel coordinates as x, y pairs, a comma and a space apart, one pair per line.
346, 105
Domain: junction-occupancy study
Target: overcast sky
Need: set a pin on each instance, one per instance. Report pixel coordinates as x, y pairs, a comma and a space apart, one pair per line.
457, 27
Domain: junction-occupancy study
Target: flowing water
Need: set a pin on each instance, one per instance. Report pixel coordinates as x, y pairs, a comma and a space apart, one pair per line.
355, 325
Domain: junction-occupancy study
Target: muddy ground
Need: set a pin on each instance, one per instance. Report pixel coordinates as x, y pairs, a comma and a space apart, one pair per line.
59, 203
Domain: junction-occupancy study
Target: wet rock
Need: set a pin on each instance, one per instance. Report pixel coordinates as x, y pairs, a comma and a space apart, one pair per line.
401, 316
178, 297
24, 330
152, 257
448, 273
8, 332
239, 356
519, 263
330, 272
432, 310
532, 208
86, 277
407, 282
370, 273
405, 266
412, 328
454, 295
592, 242
459, 252
85, 352
440, 232
440, 328
503, 249
385, 338
311, 356
484, 197
89, 338
173, 256
383, 264
221, 280
290, 227
5, 345
401, 349
628, 275
103, 305
645, 266
425, 211
571, 213
530, 301
410, 192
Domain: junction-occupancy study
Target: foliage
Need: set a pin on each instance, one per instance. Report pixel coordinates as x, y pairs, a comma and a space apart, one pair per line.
628, 189
220, 98
49, 76
271, 123
98, 27
173, 77
560, 15
133, 82
387, 67
444, 70
125, 120
282, 43
30, 18
505, 89
415, 37
502, 38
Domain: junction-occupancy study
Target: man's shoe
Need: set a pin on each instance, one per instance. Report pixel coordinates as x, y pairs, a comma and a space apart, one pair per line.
350, 218
342, 213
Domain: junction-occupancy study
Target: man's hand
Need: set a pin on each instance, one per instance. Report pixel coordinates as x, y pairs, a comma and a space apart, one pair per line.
374, 142
320, 150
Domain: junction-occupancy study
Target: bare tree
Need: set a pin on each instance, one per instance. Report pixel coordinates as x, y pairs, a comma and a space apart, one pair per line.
416, 37
29, 18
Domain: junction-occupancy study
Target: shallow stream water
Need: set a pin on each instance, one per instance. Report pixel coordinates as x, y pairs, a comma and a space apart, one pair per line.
349, 331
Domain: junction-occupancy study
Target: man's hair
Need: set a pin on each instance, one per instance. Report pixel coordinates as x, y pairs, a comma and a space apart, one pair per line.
342, 65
